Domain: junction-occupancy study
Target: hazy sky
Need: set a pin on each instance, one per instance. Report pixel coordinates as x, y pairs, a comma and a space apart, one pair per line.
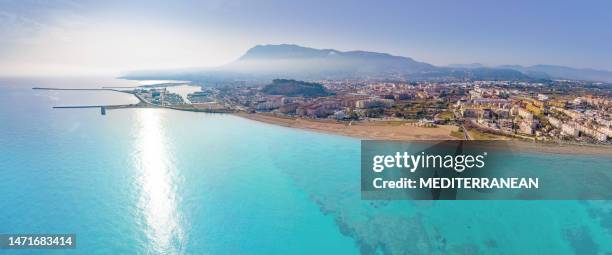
107, 37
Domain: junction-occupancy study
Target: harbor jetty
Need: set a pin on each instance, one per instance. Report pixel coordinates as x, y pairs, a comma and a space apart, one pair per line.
143, 102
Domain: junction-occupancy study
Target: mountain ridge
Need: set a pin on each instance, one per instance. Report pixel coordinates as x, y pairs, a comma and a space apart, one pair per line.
272, 61
547, 71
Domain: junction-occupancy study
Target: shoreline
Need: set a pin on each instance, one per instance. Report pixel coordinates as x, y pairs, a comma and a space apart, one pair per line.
403, 132
360, 130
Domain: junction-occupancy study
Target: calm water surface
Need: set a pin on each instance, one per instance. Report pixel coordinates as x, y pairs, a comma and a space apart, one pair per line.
151, 181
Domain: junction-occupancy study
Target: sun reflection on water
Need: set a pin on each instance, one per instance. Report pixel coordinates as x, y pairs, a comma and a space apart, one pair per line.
156, 177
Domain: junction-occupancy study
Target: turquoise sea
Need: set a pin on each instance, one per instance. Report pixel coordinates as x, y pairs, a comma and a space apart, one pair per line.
151, 181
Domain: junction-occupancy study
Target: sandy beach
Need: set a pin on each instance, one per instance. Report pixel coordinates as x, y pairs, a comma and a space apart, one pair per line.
556, 148
376, 130
360, 129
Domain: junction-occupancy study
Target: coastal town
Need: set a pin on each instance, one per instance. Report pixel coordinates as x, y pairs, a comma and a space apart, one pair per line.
560, 110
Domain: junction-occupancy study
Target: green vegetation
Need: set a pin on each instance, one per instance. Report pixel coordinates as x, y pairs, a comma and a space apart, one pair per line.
446, 115
478, 135
417, 109
395, 122
294, 88
457, 134
374, 113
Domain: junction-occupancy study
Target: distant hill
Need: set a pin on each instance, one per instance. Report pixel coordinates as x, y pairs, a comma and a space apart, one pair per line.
484, 73
472, 65
287, 87
267, 62
298, 62
550, 72
564, 72
263, 63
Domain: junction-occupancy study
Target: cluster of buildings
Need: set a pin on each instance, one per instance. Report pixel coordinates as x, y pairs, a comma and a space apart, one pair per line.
536, 115
350, 100
515, 108
200, 97
593, 119
159, 96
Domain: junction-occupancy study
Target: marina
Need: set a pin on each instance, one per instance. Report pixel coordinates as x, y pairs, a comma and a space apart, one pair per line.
148, 98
